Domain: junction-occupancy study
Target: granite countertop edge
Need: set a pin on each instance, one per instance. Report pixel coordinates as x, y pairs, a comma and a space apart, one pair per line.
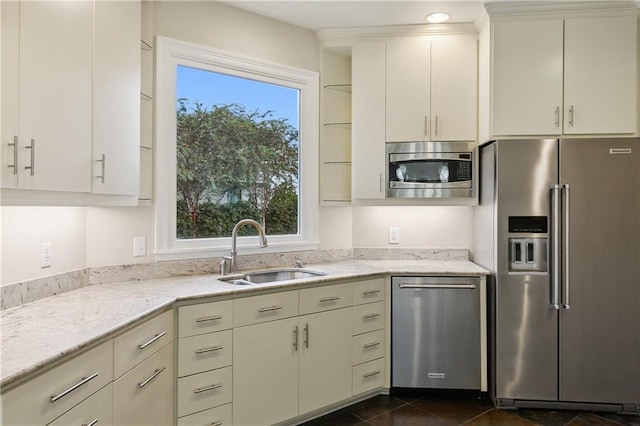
29, 342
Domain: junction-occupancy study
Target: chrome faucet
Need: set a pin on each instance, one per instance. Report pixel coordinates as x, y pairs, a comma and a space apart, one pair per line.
230, 260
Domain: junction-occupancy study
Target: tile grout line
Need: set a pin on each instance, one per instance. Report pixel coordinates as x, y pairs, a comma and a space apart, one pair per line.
479, 415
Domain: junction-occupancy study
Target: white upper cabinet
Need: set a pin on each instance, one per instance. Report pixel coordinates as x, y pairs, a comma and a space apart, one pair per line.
367, 112
431, 89
52, 103
601, 80
564, 75
116, 102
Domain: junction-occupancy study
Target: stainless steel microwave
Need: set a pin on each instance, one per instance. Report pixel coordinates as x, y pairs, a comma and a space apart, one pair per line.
430, 169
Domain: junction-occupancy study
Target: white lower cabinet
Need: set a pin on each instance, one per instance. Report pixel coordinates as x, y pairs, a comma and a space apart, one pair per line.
205, 390
95, 410
219, 416
368, 376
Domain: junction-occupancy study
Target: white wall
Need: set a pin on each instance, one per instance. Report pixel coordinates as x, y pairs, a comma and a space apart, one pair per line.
25, 228
420, 227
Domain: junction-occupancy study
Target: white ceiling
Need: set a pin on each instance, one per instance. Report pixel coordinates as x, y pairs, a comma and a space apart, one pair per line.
322, 14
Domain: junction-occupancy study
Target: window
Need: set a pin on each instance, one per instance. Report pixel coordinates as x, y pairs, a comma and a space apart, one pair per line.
222, 157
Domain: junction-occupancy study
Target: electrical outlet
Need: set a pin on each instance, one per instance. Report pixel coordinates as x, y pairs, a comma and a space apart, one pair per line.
45, 255
139, 246
394, 235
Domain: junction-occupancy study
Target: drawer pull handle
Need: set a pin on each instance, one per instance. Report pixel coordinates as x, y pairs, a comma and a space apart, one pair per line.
369, 292
440, 286
83, 381
371, 374
93, 422
211, 349
211, 318
270, 308
371, 316
155, 338
153, 376
208, 388
217, 423
329, 299
371, 345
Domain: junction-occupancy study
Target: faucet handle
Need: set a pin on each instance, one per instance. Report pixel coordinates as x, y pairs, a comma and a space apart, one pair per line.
299, 263
224, 263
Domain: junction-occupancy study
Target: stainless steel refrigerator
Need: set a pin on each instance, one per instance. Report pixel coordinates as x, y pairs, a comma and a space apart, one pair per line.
559, 227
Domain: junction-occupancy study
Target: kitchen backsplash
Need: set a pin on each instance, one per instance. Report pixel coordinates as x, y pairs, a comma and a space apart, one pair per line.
28, 291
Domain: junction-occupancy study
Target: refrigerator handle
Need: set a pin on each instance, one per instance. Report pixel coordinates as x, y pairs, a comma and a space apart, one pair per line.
565, 251
555, 246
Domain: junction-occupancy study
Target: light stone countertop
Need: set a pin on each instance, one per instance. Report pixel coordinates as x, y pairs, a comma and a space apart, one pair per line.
36, 334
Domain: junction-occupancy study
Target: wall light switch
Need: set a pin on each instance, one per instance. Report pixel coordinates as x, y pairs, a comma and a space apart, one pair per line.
394, 235
45, 255
139, 246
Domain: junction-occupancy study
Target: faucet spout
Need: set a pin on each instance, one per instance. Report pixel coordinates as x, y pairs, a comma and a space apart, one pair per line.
234, 235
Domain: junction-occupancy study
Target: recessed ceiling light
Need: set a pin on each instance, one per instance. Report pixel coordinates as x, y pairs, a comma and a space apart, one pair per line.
437, 18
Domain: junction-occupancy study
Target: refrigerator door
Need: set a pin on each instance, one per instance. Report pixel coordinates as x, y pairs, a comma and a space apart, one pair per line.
526, 325
600, 332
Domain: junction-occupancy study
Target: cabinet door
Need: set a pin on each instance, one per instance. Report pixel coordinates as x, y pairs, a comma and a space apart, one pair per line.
10, 98
407, 90
527, 77
600, 68
144, 396
116, 98
55, 95
265, 372
454, 88
325, 359
368, 137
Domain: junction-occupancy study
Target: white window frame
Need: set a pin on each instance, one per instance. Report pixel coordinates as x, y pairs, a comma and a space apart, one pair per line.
169, 54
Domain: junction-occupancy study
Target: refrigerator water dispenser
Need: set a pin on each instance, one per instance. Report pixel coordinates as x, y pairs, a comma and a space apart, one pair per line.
527, 255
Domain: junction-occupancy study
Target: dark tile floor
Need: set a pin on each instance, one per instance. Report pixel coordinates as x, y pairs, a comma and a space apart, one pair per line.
383, 410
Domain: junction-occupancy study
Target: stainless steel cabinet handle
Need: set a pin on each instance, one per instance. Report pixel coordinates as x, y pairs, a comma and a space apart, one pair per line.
565, 252
83, 381
208, 388
306, 336
436, 130
295, 338
557, 122
441, 286
368, 292
32, 166
371, 345
211, 349
555, 246
14, 166
426, 127
381, 182
155, 338
216, 423
91, 423
153, 376
371, 316
329, 299
571, 116
270, 308
103, 161
211, 318
371, 374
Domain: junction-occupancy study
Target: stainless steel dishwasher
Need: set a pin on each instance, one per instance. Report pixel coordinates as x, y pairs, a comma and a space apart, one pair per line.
435, 340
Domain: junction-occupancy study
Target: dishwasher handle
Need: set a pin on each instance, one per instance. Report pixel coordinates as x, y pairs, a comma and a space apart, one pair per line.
440, 286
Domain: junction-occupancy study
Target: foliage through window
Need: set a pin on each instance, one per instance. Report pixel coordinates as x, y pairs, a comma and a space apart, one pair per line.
237, 155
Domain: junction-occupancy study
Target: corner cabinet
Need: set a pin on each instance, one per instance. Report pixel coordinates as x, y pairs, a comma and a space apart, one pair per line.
572, 75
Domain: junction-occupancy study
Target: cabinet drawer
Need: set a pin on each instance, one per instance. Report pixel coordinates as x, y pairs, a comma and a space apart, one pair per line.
368, 376
204, 390
268, 307
205, 318
368, 317
98, 409
367, 347
49, 395
144, 395
205, 352
368, 291
320, 299
139, 343
219, 416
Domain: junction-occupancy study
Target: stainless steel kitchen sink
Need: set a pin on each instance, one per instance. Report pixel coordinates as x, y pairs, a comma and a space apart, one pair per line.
272, 276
